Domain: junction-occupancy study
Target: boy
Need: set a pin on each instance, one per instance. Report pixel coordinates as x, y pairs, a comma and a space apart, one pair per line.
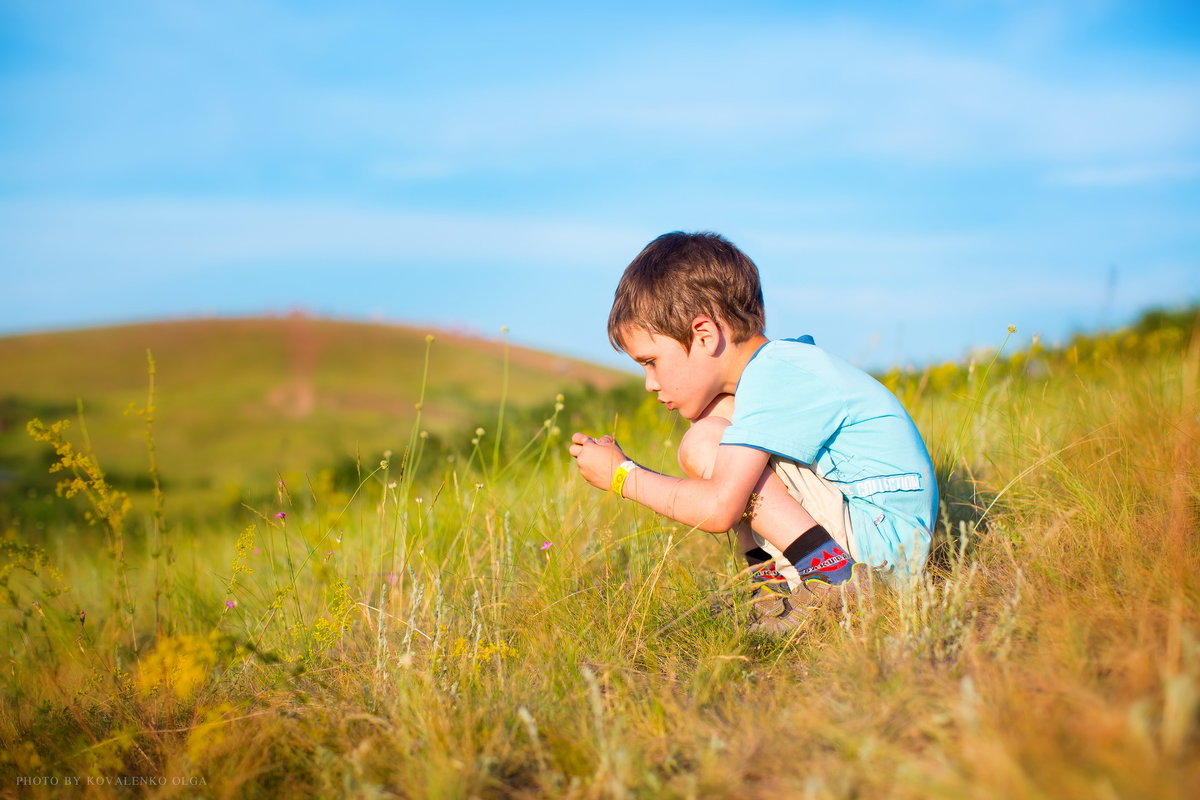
815, 455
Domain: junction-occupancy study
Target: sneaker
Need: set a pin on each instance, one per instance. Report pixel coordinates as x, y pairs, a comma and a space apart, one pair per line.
784, 616
772, 606
815, 594
827, 594
785, 611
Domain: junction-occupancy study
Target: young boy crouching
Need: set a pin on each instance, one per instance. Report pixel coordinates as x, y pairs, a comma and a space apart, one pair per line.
787, 441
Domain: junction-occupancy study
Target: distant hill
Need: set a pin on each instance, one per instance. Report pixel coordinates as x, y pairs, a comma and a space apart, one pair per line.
239, 400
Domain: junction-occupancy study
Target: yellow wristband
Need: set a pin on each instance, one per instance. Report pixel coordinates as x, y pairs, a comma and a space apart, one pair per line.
618, 481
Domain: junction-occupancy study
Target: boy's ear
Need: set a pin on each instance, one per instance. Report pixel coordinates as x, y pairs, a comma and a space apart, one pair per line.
707, 333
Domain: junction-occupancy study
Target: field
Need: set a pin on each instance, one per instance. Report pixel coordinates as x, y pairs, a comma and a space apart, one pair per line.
466, 618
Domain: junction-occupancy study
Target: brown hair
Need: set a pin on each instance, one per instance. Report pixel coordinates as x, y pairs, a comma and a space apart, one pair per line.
680, 276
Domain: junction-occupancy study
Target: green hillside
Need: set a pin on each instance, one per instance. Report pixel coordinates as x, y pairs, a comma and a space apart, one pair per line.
240, 400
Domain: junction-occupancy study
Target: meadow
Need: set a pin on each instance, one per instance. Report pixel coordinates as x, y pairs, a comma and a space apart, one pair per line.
461, 616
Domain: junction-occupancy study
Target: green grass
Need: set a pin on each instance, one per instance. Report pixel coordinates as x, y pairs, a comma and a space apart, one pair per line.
409, 637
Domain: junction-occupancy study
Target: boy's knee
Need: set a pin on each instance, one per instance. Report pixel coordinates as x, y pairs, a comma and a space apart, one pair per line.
698, 449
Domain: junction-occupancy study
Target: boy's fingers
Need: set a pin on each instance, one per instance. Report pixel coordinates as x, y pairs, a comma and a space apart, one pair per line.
583, 438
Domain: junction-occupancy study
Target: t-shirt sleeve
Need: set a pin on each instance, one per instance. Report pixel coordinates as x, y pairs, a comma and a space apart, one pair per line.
785, 409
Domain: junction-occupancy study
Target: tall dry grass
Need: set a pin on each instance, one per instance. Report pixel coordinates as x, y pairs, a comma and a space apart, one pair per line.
502, 630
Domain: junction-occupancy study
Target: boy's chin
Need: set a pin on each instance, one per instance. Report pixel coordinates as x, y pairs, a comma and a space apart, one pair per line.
698, 410
686, 413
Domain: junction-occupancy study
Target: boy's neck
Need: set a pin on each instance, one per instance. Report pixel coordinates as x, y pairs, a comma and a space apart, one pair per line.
739, 356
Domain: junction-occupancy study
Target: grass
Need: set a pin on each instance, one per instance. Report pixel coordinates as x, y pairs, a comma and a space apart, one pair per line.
413, 635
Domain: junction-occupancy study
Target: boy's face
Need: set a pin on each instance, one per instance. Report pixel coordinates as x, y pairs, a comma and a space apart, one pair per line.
686, 380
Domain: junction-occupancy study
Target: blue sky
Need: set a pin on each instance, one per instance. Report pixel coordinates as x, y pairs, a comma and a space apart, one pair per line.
911, 178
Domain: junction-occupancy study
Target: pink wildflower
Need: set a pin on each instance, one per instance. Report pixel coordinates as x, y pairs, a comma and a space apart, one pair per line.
230, 604
281, 515
546, 545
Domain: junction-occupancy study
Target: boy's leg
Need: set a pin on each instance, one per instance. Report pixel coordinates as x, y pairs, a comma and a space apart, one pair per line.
820, 498
697, 455
806, 539
770, 596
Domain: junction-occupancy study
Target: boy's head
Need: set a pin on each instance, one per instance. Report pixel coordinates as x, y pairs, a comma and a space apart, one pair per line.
680, 276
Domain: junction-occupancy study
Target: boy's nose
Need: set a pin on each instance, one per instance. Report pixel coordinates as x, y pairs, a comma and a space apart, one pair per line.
651, 384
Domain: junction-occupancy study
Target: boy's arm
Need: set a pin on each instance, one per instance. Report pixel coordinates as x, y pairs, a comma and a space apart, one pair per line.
712, 504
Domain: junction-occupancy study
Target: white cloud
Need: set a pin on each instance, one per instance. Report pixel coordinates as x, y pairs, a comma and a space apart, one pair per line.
870, 246
743, 93
808, 93
167, 236
948, 296
1127, 175
956, 292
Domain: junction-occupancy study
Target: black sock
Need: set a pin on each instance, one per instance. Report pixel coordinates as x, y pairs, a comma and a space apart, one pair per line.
757, 556
817, 556
764, 573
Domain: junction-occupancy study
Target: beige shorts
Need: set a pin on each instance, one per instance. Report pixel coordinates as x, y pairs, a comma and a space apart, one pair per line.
821, 499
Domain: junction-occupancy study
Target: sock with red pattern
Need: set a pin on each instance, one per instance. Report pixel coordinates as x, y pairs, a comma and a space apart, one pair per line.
817, 557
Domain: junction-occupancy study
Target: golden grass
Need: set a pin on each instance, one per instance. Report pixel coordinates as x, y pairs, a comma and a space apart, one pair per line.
416, 640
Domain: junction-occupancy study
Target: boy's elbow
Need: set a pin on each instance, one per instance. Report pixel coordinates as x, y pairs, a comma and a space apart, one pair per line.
721, 520
718, 507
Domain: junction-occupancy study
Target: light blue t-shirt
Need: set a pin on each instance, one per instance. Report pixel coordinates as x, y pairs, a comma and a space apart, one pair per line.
796, 401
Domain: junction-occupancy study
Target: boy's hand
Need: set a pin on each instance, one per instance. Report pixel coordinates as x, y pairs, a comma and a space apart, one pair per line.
597, 458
